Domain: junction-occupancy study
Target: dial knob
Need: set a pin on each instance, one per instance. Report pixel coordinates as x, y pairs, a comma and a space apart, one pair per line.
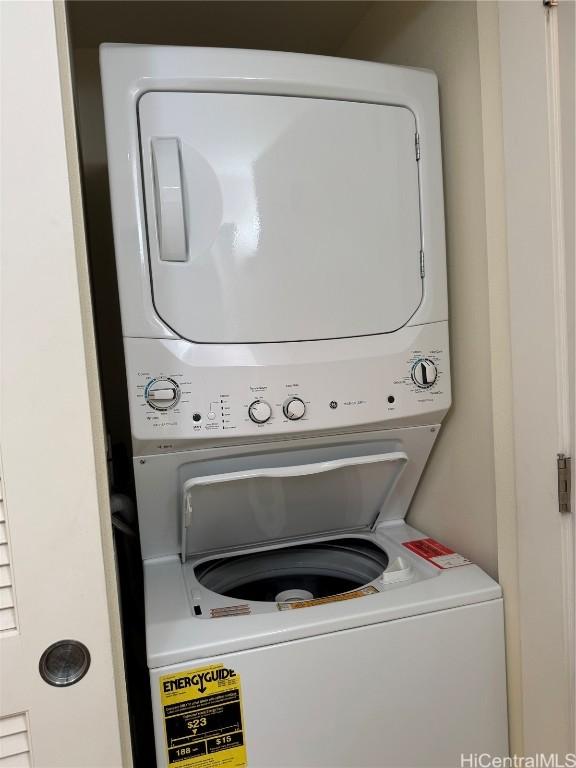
162, 394
259, 411
424, 373
294, 408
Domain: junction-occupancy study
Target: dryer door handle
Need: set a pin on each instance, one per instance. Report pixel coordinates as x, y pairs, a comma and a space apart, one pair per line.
169, 199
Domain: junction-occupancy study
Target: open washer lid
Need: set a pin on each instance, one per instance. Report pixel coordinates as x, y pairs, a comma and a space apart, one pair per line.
271, 504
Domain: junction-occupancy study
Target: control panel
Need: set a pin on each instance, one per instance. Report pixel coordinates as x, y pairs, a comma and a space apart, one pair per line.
179, 395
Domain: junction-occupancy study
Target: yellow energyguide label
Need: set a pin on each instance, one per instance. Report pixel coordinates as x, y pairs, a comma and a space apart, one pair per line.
202, 710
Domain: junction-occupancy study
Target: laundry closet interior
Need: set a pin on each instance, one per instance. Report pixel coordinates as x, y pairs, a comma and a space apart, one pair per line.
458, 500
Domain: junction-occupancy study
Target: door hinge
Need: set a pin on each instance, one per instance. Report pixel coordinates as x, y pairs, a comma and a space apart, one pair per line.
422, 270
564, 482
417, 145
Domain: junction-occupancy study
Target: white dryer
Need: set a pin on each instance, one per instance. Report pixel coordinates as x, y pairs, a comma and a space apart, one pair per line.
279, 236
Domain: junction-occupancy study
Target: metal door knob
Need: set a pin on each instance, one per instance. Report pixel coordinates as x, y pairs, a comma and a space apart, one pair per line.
64, 663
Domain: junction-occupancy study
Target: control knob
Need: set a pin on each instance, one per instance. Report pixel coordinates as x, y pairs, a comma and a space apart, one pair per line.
294, 408
259, 411
162, 394
424, 373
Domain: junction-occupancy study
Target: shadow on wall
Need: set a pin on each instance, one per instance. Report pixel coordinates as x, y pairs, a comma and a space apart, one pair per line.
305, 27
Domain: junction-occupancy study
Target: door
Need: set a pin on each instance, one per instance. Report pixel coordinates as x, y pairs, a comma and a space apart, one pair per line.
274, 218
54, 585
542, 362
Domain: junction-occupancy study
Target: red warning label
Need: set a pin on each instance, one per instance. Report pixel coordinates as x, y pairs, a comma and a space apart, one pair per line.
436, 553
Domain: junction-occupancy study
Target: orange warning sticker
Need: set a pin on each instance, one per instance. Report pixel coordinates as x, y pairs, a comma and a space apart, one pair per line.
436, 553
323, 600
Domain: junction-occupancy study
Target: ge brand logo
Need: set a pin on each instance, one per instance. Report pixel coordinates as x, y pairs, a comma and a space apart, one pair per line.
333, 404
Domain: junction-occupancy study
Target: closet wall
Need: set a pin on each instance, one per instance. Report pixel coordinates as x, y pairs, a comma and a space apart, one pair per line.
456, 497
456, 500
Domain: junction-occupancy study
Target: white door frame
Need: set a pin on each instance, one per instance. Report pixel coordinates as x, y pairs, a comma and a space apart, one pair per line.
541, 376
51, 433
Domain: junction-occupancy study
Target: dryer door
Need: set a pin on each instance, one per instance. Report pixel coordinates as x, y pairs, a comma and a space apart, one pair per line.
277, 218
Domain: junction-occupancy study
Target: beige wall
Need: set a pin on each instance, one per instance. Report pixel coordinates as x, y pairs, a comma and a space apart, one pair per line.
456, 499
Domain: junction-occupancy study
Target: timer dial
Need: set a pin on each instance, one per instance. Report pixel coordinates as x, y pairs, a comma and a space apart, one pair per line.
424, 373
259, 411
294, 408
162, 394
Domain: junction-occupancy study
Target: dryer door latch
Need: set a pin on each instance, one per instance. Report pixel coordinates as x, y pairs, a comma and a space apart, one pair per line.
564, 482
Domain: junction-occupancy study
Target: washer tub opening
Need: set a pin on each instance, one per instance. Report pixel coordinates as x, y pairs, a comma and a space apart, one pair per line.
317, 569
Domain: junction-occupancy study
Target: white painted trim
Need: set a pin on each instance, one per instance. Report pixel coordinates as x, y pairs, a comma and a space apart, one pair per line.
501, 371
538, 326
566, 31
564, 379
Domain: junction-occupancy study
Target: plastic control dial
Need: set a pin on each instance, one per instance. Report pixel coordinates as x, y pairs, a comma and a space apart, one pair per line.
162, 394
294, 408
259, 411
424, 373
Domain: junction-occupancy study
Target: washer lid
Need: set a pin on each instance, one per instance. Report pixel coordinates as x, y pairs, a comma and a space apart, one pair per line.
275, 218
257, 506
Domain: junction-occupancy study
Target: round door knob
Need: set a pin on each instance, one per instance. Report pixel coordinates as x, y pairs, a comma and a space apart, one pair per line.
162, 394
294, 408
259, 411
64, 663
424, 373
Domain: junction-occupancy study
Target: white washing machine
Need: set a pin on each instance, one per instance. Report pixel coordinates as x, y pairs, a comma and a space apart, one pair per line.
279, 237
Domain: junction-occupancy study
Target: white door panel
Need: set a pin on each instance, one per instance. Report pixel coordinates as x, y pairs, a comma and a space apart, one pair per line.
53, 466
245, 207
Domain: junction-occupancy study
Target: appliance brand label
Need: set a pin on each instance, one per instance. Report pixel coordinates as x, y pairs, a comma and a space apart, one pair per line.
436, 553
202, 710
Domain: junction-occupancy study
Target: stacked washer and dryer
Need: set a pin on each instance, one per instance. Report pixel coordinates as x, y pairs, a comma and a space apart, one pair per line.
279, 236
